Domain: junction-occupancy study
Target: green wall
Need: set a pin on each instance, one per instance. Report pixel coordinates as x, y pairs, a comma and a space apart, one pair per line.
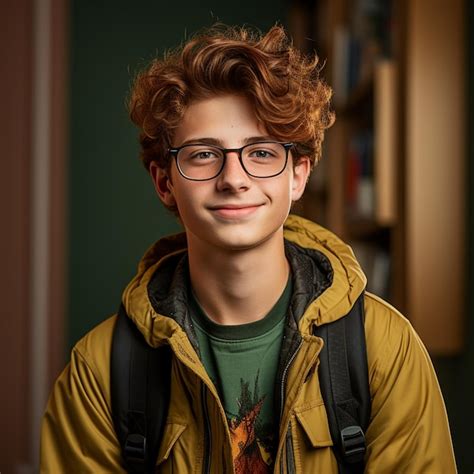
114, 214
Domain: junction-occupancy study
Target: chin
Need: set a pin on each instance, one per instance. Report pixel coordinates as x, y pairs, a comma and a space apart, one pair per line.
242, 240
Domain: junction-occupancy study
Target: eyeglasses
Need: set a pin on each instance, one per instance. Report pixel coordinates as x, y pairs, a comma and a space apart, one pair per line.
200, 162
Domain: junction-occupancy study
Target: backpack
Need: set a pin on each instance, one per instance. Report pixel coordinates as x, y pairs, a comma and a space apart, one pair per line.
140, 373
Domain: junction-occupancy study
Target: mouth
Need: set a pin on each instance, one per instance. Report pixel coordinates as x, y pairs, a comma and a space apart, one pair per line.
229, 211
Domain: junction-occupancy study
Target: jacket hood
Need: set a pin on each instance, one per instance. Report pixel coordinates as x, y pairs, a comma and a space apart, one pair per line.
156, 297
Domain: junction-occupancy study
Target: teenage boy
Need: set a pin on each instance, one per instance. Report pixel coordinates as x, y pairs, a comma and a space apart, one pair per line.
231, 126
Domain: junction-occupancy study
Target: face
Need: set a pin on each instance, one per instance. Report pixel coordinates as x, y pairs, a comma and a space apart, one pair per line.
234, 210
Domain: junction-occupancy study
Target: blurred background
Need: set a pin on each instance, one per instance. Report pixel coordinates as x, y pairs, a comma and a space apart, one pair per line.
78, 209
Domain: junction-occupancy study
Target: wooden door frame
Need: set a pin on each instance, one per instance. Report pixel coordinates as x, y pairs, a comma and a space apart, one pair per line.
33, 202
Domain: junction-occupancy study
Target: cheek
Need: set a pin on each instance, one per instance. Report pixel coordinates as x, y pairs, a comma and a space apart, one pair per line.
282, 188
189, 198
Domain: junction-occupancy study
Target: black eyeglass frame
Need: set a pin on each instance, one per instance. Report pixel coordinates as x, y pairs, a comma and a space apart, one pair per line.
174, 152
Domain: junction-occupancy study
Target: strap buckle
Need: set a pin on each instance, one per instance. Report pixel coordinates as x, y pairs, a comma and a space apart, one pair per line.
135, 448
353, 443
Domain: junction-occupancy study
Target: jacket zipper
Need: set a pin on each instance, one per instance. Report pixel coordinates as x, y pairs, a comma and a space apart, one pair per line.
283, 379
290, 455
282, 403
207, 432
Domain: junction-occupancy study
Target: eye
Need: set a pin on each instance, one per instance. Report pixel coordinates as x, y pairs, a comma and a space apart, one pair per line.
203, 154
262, 153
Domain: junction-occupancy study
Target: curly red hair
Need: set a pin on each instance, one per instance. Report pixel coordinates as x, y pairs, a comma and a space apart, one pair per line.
288, 95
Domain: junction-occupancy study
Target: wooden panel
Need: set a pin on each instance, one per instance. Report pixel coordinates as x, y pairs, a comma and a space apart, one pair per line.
59, 136
15, 141
435, 172
19, 437
386, 135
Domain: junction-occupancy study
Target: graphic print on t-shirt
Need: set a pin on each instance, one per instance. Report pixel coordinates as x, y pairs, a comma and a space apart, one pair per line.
252, 441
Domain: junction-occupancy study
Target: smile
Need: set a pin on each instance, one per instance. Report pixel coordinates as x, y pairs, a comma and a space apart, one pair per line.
233, 212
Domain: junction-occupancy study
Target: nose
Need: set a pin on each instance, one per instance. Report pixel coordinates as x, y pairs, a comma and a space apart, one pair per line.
233, 177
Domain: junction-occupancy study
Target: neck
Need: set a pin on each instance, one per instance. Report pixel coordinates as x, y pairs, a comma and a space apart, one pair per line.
238, 286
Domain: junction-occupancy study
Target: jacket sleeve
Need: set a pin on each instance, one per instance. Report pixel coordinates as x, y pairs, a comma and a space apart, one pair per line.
77, 433
409, 430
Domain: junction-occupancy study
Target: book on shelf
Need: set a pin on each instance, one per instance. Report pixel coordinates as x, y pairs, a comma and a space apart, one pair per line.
358, 45
371, 170
360, 177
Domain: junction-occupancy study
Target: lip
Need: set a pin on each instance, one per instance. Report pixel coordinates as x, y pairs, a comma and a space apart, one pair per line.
230, 211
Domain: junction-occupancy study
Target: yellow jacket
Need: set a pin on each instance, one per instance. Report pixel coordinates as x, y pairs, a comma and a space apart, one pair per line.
408, 431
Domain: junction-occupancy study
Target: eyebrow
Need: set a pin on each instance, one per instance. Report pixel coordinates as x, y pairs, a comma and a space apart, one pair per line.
218, 142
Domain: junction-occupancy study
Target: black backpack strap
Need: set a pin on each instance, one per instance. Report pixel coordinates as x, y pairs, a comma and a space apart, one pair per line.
344, 381
140, 392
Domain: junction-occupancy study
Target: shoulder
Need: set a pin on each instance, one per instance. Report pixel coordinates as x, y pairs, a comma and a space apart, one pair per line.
392, 342
383, 321
93, 351
97, 343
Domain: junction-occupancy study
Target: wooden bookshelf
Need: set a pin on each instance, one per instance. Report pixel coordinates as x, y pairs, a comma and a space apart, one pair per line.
391, 179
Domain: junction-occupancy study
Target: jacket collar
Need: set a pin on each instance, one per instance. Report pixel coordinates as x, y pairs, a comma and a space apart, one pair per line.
327, 282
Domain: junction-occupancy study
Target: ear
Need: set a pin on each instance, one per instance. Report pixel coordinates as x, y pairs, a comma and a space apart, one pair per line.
300, 177
163, 185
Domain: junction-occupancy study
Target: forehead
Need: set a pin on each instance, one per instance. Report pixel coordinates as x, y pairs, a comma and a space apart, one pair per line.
229, 118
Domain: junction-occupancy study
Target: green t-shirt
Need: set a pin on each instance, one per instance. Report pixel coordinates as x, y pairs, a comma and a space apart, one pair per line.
242, 361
